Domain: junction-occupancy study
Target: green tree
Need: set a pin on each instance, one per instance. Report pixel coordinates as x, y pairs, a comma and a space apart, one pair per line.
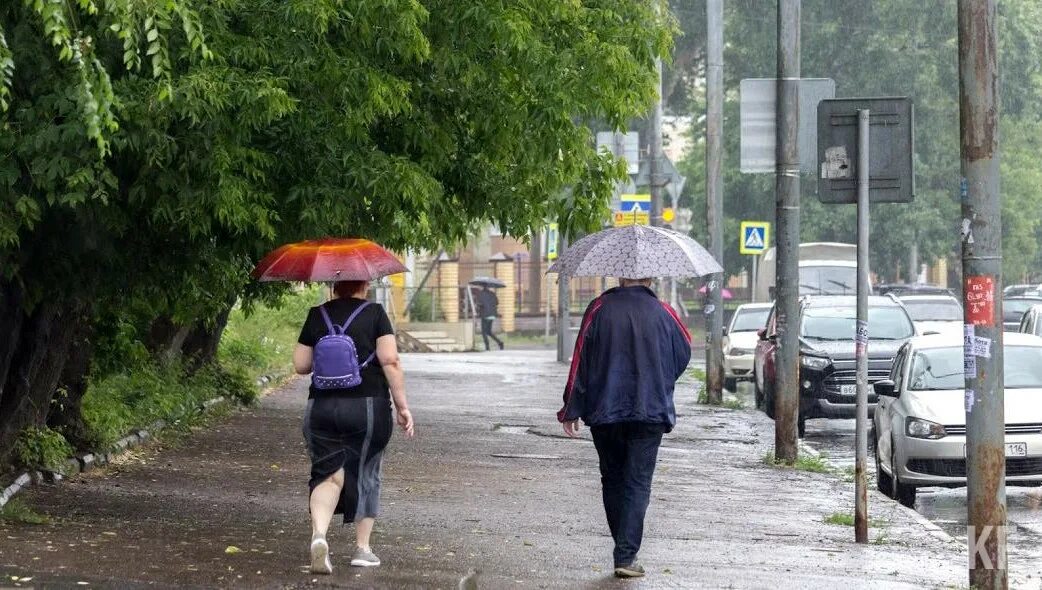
407, 122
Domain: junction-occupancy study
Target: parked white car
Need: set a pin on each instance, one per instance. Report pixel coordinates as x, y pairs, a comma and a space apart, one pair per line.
919, 427
934, 313
740, 340
1031, 323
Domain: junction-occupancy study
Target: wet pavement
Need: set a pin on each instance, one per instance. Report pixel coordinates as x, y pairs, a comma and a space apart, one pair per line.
490, 490
944, 506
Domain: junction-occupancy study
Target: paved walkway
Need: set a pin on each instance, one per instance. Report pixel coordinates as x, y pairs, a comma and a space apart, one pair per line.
487, 486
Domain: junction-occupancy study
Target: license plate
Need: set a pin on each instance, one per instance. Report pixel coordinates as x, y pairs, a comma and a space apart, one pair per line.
1017, 449
848, 389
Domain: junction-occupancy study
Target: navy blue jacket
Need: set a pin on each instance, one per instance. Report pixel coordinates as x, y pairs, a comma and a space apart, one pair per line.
631, 350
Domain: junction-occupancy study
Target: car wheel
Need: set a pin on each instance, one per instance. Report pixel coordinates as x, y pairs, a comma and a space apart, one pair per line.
731, 384
903, 493
801, 426
883, 480
757, 394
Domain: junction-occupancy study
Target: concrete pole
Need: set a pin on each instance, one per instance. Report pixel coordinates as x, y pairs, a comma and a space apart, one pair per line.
787, 214
864, 288
535, 273
563, 299
715, 197
655, 147
982, 284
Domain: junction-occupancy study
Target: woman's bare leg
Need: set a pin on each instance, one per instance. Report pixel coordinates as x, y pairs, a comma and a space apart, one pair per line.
323, 503
363, 529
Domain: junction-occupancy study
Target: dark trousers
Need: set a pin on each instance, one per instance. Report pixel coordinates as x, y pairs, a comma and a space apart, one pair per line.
627, 456
486, 332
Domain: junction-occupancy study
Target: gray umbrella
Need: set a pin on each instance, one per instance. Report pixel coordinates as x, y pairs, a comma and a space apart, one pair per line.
636, 252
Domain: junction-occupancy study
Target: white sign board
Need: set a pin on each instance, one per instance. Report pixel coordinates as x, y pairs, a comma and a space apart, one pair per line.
758, 113
625, 145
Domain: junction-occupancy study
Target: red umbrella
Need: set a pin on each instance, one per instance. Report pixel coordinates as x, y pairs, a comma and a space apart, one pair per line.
328, 260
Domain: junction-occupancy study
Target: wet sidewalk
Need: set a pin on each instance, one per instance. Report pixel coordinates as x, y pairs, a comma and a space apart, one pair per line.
489, 486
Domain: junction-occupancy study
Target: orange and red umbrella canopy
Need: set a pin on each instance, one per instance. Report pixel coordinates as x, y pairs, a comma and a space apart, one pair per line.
328, 260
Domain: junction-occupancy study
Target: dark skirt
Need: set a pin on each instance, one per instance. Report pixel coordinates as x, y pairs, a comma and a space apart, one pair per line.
349, 433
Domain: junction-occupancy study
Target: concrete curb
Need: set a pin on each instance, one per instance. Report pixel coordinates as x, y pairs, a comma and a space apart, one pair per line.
85, 462
932, 529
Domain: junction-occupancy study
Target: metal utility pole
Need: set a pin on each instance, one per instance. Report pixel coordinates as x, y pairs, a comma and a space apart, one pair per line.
714, 197
787, 214
563, 300
982, 281
861, 334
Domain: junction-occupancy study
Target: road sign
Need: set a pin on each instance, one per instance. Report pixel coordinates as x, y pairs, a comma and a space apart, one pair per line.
623, 145
668, 215
551, 241
890, 175
634, 210
668, 173
755, 236
757, 115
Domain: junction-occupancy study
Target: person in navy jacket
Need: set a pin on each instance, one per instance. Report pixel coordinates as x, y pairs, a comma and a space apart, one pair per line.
630, 352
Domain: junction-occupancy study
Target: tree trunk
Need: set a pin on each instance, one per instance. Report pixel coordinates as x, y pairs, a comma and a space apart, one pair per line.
200, 347
34, 371
67, 414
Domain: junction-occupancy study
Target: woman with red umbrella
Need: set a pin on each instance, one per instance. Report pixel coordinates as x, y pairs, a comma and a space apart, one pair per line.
349, 347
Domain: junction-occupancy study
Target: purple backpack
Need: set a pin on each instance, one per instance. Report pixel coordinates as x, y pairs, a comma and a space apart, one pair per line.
336, 357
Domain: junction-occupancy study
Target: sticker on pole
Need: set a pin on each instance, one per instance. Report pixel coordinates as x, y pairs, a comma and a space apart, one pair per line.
980, 300
754, 237
861, 338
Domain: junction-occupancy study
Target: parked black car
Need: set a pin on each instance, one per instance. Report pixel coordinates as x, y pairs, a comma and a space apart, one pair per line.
828, 378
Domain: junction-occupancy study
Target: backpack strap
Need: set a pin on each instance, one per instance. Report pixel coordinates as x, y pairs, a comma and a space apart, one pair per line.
343, 329
325, 318
367, 361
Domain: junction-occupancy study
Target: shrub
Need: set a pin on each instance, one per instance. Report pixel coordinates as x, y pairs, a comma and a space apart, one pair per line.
42, 448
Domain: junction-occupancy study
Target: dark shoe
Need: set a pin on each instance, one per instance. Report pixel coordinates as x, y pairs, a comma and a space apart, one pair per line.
633, 570
501, 346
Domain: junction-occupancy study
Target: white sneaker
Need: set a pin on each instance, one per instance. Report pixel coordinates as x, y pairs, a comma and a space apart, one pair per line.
320, 562
365, 558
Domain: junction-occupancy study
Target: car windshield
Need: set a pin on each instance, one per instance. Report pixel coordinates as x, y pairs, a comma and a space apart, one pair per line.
750, 320
828, 280
934, 310
837, 323
1013, 309
942, 368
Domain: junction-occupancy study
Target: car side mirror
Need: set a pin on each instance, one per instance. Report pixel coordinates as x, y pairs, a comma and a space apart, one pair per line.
724, 330
885, 387
762, 333
931, 333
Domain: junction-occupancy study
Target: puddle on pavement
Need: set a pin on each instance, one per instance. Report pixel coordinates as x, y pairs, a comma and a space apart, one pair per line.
512, 428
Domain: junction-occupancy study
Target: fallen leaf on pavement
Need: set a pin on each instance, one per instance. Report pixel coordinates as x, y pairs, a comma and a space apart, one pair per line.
232, 550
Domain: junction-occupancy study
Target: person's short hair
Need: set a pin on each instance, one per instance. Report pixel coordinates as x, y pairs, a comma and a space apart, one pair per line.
627, 282
347, 289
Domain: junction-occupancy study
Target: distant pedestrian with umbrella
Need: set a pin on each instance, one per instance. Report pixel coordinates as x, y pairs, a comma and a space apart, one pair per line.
630, 351
348, 346
488, 307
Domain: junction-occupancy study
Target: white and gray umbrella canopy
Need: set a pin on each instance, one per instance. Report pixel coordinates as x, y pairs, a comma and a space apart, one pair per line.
636, 252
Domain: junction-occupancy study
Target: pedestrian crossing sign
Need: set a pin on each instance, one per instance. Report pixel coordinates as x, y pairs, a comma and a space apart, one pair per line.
755, 236
633, 210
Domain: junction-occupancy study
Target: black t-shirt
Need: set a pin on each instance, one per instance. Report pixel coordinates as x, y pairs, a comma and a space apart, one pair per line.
371, 324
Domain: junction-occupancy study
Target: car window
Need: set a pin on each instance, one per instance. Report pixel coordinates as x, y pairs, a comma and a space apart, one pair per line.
898, 370
942, 368
1013, 309
934, 310
828, 280
750, 320
838, 323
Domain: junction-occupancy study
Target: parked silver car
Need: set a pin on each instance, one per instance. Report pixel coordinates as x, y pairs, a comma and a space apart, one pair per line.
740, 340
1031, 322
934, 313
919, 427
